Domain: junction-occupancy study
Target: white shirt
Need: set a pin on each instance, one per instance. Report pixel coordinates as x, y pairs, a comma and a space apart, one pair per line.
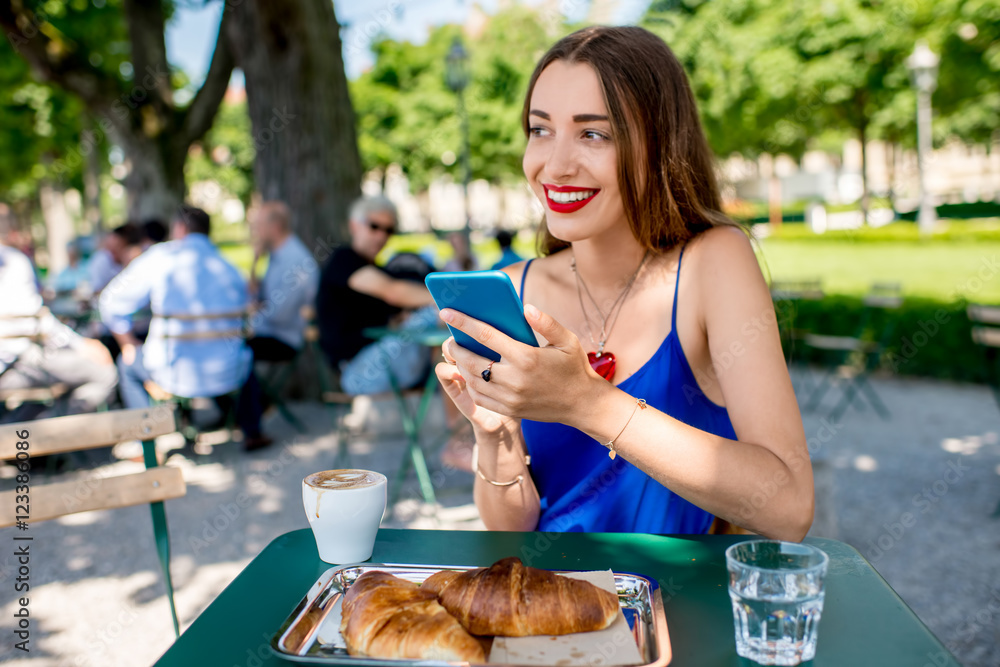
185, 277
19, 296
291, 281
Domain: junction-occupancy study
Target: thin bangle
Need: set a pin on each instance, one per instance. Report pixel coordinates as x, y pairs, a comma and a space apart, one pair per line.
640, 404
475, 466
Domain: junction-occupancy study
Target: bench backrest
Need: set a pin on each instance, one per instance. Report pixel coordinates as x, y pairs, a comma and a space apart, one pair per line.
21, 441
988, 319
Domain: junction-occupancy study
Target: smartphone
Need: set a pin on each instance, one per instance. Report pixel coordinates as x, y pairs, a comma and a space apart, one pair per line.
488, 296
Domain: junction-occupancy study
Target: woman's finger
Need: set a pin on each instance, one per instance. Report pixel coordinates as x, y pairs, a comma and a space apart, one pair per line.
446, 353
489, 336
465, 359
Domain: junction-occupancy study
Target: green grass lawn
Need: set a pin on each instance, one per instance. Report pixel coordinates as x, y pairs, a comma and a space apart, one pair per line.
944, 271
961, 261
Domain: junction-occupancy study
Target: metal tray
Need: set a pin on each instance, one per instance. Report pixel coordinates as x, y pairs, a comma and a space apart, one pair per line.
311, 633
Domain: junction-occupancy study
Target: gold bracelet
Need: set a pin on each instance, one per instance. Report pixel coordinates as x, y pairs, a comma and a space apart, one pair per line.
640, 404
475, 466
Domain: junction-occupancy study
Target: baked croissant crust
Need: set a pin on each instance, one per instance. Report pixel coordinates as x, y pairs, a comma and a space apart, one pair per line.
387, 617
512, 600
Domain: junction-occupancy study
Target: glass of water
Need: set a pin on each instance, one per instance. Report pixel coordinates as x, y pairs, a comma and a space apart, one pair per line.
777, 593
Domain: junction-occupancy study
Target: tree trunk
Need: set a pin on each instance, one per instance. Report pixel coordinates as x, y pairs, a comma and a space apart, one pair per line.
301, 113
58, 226
91, 178
155, 181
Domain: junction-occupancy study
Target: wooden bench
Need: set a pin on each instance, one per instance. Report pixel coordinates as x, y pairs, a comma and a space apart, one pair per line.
81, 432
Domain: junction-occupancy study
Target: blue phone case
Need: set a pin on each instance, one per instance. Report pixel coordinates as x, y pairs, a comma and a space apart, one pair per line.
488, 296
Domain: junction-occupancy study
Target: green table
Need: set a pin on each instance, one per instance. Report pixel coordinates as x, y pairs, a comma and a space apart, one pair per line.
864, 621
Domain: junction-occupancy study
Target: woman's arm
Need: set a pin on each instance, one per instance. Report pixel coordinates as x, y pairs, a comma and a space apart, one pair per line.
501, 455
501, 458
763, 481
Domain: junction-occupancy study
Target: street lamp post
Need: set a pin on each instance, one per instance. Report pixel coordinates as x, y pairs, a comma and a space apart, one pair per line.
457, 76
923, 66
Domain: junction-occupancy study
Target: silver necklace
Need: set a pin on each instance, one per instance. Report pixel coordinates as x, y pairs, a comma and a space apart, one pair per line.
613, 312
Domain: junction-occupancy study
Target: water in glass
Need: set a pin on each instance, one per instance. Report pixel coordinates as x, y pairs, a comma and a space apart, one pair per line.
777, 594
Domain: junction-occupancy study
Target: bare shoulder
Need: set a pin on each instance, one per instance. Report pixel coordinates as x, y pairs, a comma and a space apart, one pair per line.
722, 243
547, 266
724, 258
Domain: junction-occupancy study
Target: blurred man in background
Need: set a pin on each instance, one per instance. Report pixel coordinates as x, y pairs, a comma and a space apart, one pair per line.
118, 248
355, 294
507, 255
36, 350
194, 348
291, 282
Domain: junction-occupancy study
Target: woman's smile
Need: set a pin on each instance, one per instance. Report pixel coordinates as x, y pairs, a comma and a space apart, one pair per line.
568, 198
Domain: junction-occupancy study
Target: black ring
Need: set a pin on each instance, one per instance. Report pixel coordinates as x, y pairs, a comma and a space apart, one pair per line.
487, 374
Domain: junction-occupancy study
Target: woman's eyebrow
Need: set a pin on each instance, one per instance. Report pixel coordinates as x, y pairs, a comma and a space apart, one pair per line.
578, 118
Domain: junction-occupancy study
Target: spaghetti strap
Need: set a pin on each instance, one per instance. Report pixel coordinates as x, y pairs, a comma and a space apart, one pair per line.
677, 288
524, 274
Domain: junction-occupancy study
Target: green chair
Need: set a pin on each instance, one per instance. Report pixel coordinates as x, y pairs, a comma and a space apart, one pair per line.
850, 359
72, 433
985, 322
787, 295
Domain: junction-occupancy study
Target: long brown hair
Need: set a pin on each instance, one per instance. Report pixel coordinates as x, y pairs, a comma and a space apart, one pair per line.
665, 167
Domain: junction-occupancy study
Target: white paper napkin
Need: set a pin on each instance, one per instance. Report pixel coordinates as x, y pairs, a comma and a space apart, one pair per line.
614, 645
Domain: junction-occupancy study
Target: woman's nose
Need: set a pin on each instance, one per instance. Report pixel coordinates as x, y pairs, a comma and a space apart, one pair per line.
562, 160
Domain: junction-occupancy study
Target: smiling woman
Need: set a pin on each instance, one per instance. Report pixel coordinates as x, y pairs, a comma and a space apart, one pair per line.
691, 422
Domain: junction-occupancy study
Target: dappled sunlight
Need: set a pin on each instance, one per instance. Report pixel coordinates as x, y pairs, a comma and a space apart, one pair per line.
212, 477
84, 518
122, 628
78, 563
865, 463
968, 445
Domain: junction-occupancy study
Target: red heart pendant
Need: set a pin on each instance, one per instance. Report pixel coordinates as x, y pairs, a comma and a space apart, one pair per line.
604, 364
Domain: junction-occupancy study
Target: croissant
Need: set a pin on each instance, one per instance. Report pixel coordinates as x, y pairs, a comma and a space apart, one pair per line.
512, 600
387, 617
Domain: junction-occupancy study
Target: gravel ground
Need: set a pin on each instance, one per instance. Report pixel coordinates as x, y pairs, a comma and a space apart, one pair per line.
916, 494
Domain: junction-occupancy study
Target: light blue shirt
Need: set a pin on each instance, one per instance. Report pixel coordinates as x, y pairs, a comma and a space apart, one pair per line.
291, 281
185, 277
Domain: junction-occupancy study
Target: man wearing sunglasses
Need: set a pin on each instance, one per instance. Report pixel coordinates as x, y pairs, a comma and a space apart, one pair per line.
355, 294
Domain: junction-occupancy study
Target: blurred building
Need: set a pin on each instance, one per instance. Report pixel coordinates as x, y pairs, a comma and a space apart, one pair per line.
957, 173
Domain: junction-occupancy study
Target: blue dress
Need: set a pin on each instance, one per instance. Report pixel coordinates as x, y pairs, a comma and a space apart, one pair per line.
583, 490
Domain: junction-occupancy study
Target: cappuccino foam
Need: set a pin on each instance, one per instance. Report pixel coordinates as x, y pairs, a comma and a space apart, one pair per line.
342, 480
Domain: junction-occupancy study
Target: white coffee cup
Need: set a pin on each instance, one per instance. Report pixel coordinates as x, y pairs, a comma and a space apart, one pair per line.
344, 508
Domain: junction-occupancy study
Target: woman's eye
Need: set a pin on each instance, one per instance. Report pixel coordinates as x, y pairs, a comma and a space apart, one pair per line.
537, 131
595, 135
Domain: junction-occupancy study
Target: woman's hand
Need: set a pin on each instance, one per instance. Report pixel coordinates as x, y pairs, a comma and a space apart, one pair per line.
550, 383
483, 421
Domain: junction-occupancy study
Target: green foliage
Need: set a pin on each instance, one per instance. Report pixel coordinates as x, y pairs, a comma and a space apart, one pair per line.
924, 337
784, 76
226, 153
407, 115
41, 124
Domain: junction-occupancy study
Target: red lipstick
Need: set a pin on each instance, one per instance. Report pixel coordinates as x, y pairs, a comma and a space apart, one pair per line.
567, 207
